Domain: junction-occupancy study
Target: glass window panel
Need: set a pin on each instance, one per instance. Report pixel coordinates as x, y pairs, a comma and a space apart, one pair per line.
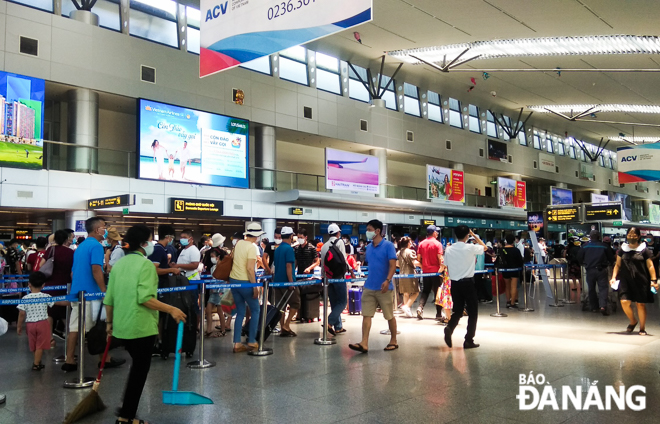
434, 98
561, 149
474, 124
506, 121
435, 113
108, 12
537, 142
193, 40
357, 91
522, 136
360, 71
549, 145
601, 161
611, 163
571, 152
390, 100
474, 111
294, 71
165, 9
261, 64
46, 5
328, 81
326, 62
153, 28
491, 127
411, 106
193, 17
454, 105
298, 53
410, 90
455, 119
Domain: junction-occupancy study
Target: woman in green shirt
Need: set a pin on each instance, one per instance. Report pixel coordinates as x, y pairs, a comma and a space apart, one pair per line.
132, 313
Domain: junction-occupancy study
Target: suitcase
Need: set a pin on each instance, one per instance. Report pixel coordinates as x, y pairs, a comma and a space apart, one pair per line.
355, 301
185, 301
273, 315
310, 307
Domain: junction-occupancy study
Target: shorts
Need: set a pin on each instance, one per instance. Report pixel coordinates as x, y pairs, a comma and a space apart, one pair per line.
39, 335
408, 285
91, 312
215, 297
294, 302
511, 274
373, 298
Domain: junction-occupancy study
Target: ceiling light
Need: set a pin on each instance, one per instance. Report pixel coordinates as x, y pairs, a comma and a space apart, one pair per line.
599, 108
636, 140
550, 46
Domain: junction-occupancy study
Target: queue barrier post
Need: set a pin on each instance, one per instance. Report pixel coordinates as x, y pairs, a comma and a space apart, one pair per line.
261, 350
526, 308
324, 341
81, 382
497, 314
567, 286
201, 363
62, 358
556, 296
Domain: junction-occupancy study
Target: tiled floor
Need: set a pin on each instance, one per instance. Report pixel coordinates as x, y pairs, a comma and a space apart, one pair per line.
421, 382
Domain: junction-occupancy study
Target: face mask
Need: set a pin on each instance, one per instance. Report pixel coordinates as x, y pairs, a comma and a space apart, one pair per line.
184, 242
169, 243
632, 240
74, 242
214, 261
234, 242
278, 241
105, 234
149, 248
105, 243
371, 235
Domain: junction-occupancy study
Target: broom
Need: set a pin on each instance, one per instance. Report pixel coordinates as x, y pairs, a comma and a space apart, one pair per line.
92, 402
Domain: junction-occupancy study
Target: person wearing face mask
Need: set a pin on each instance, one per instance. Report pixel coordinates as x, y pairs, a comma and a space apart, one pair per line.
189, 258
115, 252
636, 274
132, 309
269, 251
87, 276
213, 256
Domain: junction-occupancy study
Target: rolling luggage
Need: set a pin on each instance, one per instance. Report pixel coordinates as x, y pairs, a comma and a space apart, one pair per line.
310, 307
273, 315
355, 301
184, 300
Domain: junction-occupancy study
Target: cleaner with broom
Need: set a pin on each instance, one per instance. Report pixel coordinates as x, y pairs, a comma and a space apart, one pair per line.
132, 311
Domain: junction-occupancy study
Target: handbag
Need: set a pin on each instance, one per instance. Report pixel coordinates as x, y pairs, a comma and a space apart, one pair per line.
223, 268
49, 266
227, 299
97, 337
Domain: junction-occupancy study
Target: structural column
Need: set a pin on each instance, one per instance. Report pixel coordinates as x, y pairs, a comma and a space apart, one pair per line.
268, 225
83, 130
264, 157
381, 154
71, 217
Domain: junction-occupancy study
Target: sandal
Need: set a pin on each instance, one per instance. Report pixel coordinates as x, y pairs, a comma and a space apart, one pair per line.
39, 367
53, 345
214, 334
631, 328
340, 331
358, 347
133, 421
643, 333
391, 346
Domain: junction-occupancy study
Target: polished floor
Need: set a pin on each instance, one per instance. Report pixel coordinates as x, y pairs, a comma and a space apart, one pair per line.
422, 382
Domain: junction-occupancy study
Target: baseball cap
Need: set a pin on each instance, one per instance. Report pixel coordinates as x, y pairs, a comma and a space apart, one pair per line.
254, 230
489, 244
431, 228
286, 231
333, 229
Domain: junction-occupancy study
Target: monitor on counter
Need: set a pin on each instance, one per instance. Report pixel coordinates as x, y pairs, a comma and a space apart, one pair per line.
185, 145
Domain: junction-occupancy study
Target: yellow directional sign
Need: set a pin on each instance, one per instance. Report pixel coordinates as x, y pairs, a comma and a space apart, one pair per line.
111, 202
602, 212
566, 214
201, 207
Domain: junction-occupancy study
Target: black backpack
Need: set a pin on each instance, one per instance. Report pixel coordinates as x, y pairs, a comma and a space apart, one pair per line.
334, 264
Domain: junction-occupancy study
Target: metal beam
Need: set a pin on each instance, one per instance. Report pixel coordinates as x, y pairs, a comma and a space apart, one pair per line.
644, 70
366, 86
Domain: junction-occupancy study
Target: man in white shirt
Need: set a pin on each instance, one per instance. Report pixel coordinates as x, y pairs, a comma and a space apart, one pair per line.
189, 258
460, 260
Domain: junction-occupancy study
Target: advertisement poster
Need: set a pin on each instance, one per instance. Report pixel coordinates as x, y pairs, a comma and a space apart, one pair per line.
547, 163
639, 163
350, 171
654, 213
599, 198
626, 204
445, 184
561, 196
21, 121
238, 31
511, 193
535, 222
191, 146
497, 151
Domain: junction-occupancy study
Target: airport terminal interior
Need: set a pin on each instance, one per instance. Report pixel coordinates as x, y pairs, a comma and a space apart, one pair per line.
532, 124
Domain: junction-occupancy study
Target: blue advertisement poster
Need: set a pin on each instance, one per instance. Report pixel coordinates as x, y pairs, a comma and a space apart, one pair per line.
21, 121
191, 146
561, 196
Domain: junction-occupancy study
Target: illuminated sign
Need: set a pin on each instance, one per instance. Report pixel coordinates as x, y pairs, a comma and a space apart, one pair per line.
602, 212
111, 202
23, 234
569, 214
427, 222
296, 211
180, 206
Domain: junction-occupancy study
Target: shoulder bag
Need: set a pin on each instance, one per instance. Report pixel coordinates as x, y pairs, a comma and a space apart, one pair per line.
49, 266
223, 268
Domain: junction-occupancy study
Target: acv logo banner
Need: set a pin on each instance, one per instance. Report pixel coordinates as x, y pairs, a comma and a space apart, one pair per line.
535, 393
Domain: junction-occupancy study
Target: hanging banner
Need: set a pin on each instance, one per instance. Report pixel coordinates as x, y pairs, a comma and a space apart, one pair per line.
599, 198
639, 163
547, 163
511, 193
445, 184
238, 31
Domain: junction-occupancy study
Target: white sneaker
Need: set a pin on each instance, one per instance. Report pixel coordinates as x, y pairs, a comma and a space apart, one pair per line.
407, 311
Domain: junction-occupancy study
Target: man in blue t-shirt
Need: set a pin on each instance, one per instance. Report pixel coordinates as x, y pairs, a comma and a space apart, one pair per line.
284, 262
378, 288
87, 276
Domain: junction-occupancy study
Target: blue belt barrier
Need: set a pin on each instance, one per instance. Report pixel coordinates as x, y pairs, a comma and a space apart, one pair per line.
27, 289
509, 269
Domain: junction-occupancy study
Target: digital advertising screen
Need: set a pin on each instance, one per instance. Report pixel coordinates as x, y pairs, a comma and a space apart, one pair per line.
535, 222
497, 151
350, 171
21, 121
511, 193
190, 146
445, 184
561, 196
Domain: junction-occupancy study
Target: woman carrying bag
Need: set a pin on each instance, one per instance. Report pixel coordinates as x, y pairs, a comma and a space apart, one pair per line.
132, 313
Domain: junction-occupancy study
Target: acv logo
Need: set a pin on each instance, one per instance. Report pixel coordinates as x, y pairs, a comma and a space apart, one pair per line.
218, 10
628, 158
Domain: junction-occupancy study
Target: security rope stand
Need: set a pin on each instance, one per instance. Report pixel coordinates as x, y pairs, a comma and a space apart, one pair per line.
325, 341
62, 358
201, 363
498, 314
81, 382
524, 287
263, 351
555, 295
567, 287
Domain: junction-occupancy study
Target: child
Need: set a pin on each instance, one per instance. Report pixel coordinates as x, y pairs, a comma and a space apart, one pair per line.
36, 316
171, 166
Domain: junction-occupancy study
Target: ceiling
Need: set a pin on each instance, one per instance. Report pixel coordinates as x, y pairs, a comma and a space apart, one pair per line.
406, 24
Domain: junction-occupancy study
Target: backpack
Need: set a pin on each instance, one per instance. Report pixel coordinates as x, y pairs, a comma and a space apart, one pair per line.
334, 263
501, 262
529, 255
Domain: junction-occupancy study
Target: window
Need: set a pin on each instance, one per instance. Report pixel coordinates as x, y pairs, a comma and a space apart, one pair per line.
561, 148
46, 5
327, 73
389, 96
506, 121
583, 157
455, 113
193, 17
293, 65
357, 90
611, 162
434, 108
411, 100
601, 161
155, 21
549, 144
522, 135
571, 151
491, 127
108, 12
473, 121
537, 141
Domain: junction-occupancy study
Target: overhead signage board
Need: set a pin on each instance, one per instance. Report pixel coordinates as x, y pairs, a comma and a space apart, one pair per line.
427, 222
296, 211
111, 202
234, 32
24, 234
563, 215
195, 207
602, 212
639, 163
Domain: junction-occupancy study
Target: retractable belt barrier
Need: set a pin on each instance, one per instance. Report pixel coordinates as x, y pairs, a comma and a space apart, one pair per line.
498, 314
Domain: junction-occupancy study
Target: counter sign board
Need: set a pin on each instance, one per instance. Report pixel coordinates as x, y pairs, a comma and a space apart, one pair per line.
563, 215
296, 211
111, 202
427, 222
196, 207
602, 212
